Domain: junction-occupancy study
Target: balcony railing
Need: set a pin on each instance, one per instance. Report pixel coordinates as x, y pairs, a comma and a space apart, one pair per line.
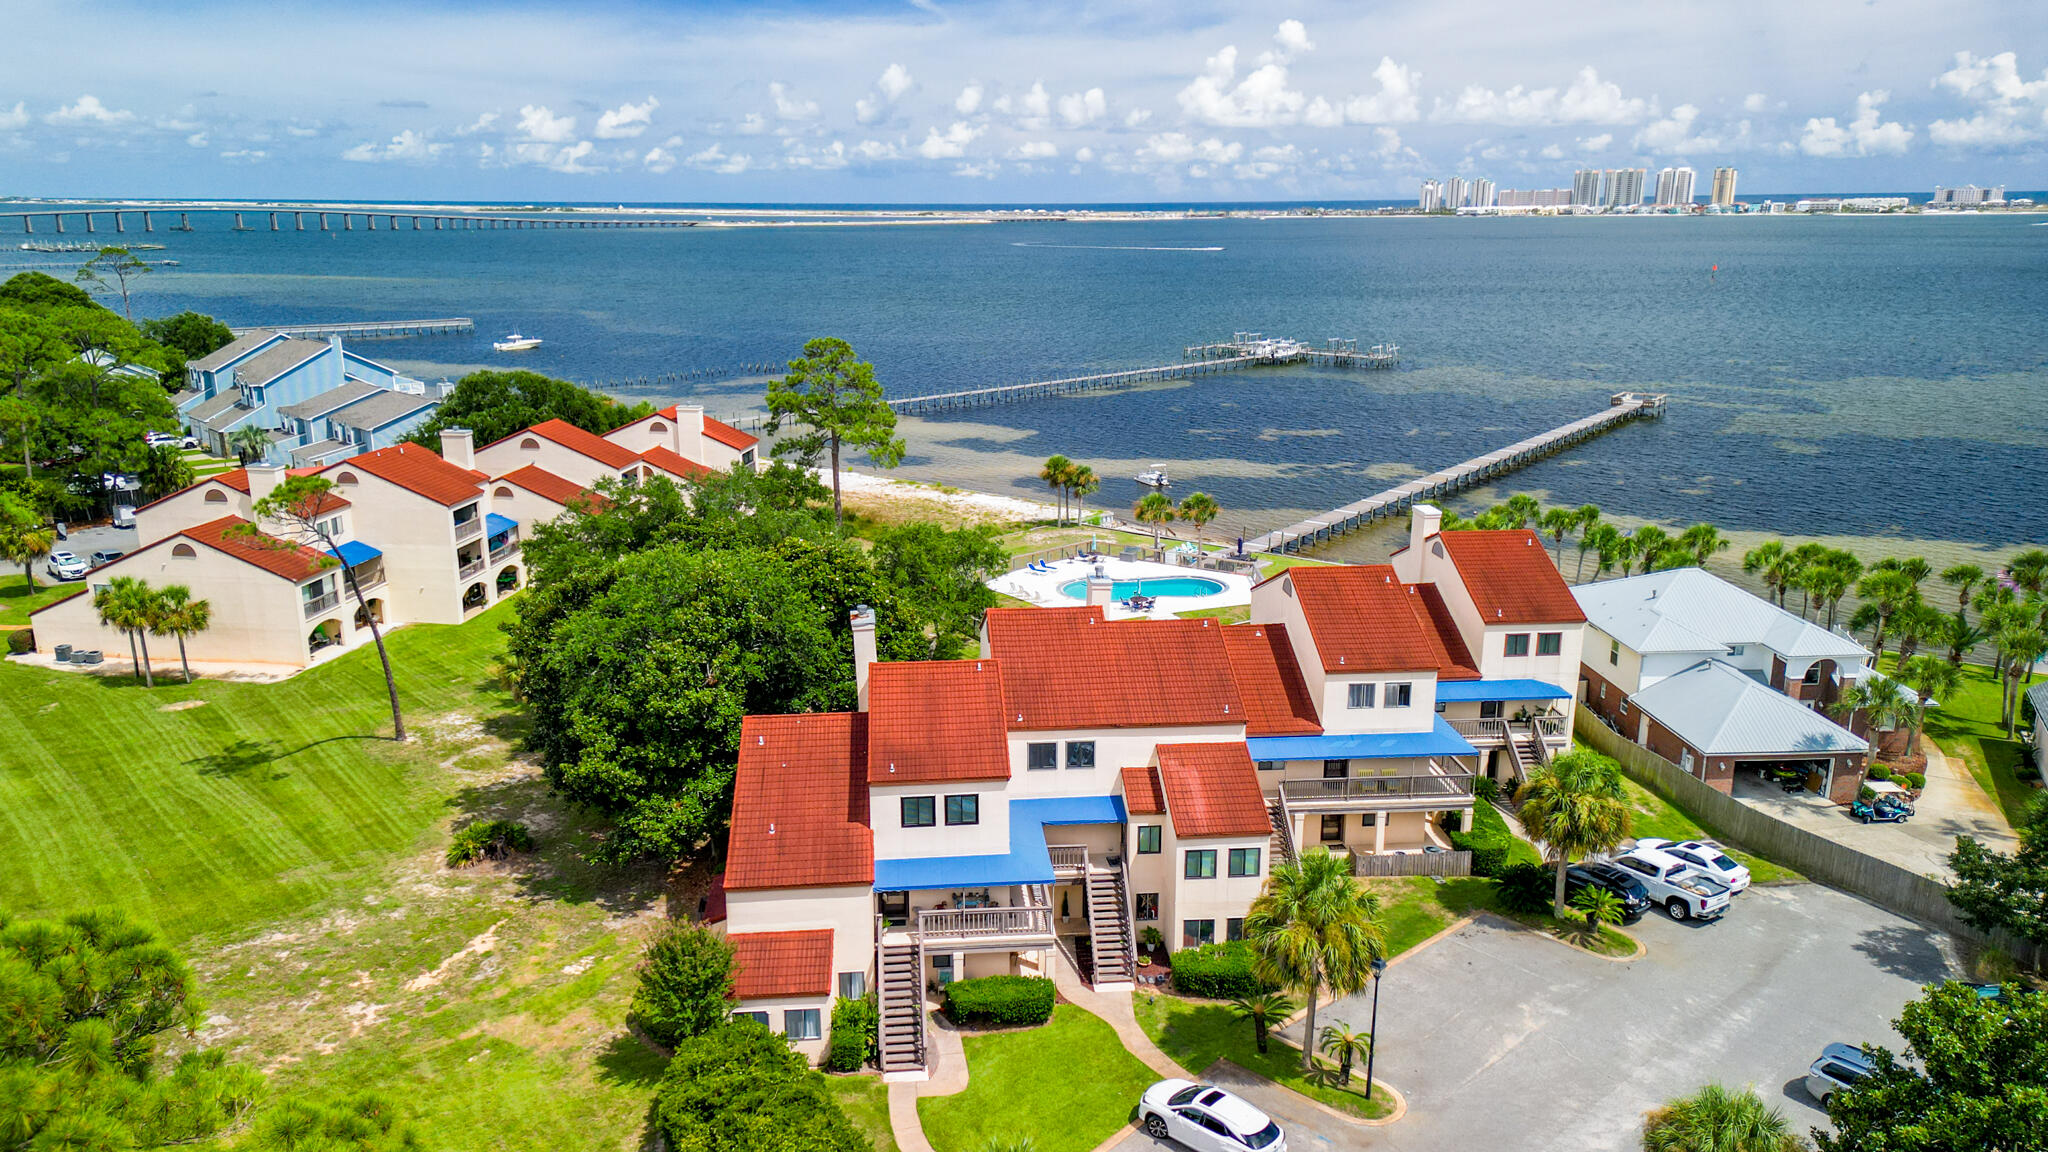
1488, 729
320, 604
469, 529
970, 923
1450, 786
1551, 726
367, 578
501, 551
1068, 857
469, 568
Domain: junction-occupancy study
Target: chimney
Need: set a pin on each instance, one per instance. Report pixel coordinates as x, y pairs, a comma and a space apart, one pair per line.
690, 432
863, 620
1425, 520
1100, 588
264, 479
458, 447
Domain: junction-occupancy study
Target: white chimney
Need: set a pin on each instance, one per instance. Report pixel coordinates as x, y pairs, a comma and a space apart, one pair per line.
458, 447
863, 620
1100, 588
264, 479
690, 433
1426, 520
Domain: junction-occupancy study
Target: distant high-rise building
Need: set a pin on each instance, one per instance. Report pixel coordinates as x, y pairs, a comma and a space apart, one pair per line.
1432, 198
1724, 187
1454, 192
1536, 197
1625, 187
1968, 194
1586, 187
1674, 187
1481, 195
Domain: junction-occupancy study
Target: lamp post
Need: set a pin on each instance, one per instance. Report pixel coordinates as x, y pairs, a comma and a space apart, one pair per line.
1378, 966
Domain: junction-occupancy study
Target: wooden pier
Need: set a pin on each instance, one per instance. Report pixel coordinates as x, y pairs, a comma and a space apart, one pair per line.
367, 329
1622, 408
1244, 350
292, 219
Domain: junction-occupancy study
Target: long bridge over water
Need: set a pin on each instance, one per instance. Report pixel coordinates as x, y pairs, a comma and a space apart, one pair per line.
320, 219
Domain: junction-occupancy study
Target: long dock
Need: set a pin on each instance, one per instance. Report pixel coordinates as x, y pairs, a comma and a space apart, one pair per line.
364, 329
1622, 408
323, 220
1244, 350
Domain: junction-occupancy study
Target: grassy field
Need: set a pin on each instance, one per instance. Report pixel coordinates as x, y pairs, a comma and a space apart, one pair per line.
17, 599
1073, 1068
293, 852
865, 1099
1966, 727
1197, 1033
1653, 816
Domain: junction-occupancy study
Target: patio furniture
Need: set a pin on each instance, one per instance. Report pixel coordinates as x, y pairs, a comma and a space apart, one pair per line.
1131, 552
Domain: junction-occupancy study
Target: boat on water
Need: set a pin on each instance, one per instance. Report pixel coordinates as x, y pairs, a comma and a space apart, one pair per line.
1156, 478
517, 343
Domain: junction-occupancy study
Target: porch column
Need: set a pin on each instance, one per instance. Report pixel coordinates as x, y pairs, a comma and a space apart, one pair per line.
1379, 833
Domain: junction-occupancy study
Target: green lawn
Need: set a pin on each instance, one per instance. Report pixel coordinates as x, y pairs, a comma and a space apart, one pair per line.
1654, 816
204, 465
865, 1099
1197, 1033
1967, 727
17, 599
1066, 1086
1414, 908
1229, 614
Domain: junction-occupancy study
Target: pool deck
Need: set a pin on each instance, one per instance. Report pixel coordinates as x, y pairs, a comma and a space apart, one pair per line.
1043, 588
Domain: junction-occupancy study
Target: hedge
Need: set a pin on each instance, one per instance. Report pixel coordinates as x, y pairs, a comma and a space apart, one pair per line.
740, 1087
855, 1034
20, 641
1217, 972
1000, 1000
1488, 840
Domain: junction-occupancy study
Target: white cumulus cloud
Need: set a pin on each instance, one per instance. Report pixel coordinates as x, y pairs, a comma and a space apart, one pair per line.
1674, 135
894, 82
88, 110
245, 156
1180, 148
1035, 150
570, 159
1082, 108
716, 159
950, 145
1261, 100
1755, 102
408, 147
482, 123
969, 100
1292, 36
1596, 143
9, 121
1868, 134
788, 106
538, 124
2011, 109
658, 160
1587, 100
198, 140
627, 120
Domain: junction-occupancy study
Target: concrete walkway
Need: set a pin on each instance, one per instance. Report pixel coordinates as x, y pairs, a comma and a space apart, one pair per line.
1115, 1008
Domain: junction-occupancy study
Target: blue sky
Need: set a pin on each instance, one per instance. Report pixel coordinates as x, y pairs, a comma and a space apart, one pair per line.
1050, 100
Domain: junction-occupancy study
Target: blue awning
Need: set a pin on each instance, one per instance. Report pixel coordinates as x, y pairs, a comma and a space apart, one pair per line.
1440, 740
1027, 861
496, 525
354, 552
1467, 691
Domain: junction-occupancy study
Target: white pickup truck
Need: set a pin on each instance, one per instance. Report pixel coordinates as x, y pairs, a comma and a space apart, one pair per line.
1685, 892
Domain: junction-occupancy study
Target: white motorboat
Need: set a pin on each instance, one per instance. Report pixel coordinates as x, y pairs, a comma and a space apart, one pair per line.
1156, 478
517, 343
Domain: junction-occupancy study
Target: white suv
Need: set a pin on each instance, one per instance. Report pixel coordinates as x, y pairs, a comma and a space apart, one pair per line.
1706, 858
1685, 892
1207, 1119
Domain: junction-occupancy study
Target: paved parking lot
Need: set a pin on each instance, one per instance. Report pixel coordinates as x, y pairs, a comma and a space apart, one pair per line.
83, 543
1502, 1039
1952, 805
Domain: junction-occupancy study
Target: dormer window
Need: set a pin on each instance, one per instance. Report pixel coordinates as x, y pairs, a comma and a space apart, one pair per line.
1360, 696
1400, 695
1515, 644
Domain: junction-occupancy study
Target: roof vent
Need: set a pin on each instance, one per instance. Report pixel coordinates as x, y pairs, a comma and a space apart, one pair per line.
1020, 717
771, 829
1340, 659
760, 740
1497, 613
1528, 541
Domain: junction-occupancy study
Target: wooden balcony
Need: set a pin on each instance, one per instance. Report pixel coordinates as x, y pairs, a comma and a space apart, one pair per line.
1424, 791
1068, 860
974, 928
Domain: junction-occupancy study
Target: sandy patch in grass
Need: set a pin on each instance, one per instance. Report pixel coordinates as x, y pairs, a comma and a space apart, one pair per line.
480, 945
180, 706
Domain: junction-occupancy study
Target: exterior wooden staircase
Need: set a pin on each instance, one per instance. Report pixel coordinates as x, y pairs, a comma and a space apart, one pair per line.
1109, 929
1283, 829
902, 1010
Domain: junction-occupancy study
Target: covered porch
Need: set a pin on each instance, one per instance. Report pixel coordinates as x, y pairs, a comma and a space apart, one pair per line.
1369, 795
1515, 725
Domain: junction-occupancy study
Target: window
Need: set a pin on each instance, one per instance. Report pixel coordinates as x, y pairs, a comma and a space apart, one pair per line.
330, 526
216, 496
1517, 644
1603, 689
1614, 652
942, 967
1148, 905
501, 494
760, 1018
1148, 839
1333, 830
1361, 695
1233, 928
853, 985
1041, 755
747, 457
1490, 709
1268, 765
917, 812
1244, 862
1336, 769
1201, 864
657, 426
1195, 933
184, 551
1735, 649
345, 478
529, 445
1812, 675
1080, 753
1400, 695
963, 809
1549, 643
801, 1024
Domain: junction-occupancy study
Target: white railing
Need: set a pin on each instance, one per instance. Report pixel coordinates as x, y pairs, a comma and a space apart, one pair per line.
958, 923
468, 529
465, 571
1368, 788
321, 604
506, 549
366, 580
1486, 729
1068, 856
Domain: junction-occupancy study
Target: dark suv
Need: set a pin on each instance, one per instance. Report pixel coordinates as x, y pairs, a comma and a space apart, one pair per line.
1635, 899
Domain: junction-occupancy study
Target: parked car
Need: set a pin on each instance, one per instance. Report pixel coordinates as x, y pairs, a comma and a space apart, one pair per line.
65, 566
158, 439
1883, 810
188, 441
106, 556
1635, 899
1685, 892
124, 515
1839, 1067
1207, 1118
1706, 858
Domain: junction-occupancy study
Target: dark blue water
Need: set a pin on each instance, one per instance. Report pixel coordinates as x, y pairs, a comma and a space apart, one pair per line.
1835, 376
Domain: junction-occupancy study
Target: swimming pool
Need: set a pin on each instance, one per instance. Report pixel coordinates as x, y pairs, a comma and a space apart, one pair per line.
1151, 586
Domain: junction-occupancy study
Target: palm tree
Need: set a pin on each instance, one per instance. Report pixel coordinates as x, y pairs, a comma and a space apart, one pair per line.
1263, 1011
1884, 702
1960, 635
1346, 1047
1597, 907
1313, 928
1842, 570
1520, 509
2022, 645
1606, 541
1703, 540
2029, 570
1557, 523
25, 546
1883, 592
1198, 509
1646, 541
130, 605
1574, 804
1915, 623
1963, 578
1914, 568
181, 616
1155, 509
1715, 1119
1055, 474
1588, 517
248, 443
1760, 560
1081, 483
1795, 564
1932, 680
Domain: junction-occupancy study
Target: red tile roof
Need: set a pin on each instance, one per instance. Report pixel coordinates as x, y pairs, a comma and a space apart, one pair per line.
1213, 790
800, 803
1511, 578
417, 470
546, 484
1276, 698
1362, 618
772, 964
1142, 796
1069, 668
294, 562
675, 464
936, 720
728, 435
577, 440
235, 478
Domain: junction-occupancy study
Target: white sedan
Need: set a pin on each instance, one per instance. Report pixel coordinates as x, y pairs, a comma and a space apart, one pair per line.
1206, 1118
1704, 857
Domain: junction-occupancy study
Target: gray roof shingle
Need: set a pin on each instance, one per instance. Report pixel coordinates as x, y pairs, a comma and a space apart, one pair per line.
278, 359
315, 407
1719, 710
382, 409
227, 353
1691, 610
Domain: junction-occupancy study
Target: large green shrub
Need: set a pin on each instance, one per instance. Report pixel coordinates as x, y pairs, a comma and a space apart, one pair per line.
1526, 888
490, 839
1879, 772
685, 984
739, 1088
856, 1028
1000, 1000
20, 640
1217, 972
1916, 780
1488, 839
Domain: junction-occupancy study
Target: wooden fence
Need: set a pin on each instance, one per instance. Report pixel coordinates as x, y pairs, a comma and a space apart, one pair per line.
1413, 864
